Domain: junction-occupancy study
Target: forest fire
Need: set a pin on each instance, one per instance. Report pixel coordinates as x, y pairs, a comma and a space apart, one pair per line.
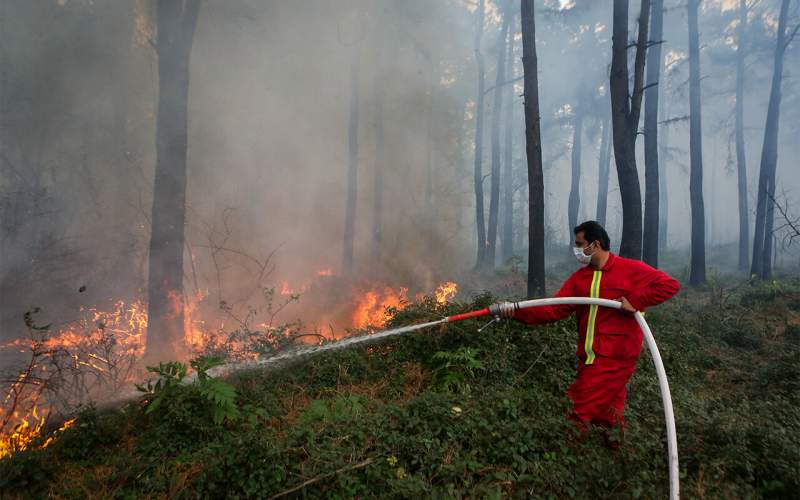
371, 307
445, 292
99, 353
28, 428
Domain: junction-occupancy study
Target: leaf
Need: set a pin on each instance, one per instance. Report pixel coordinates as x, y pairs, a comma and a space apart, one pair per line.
154, 404
204, 363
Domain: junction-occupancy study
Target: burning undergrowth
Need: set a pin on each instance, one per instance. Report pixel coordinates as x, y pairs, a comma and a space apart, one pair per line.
98, 357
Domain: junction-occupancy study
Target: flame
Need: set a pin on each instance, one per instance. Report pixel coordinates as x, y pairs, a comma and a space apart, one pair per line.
325, 272
195, 333
23, 433
103, 343
66, 425
371, 306
99, 342
445, 292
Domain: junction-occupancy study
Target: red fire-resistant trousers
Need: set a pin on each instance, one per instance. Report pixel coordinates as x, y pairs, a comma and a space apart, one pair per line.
598, 393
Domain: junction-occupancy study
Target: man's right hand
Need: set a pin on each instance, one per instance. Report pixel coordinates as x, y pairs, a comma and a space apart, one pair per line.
506, 309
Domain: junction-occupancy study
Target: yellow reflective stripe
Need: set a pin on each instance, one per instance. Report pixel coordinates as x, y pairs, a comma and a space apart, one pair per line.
594, 292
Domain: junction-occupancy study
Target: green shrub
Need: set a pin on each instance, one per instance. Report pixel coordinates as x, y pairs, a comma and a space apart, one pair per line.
349, 423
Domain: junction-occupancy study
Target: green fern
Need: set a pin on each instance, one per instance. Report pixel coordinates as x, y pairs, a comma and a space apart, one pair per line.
222, 397
170, 375
454, 368
219, 395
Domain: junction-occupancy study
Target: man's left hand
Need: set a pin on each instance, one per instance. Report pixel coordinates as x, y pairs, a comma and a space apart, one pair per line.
626, 306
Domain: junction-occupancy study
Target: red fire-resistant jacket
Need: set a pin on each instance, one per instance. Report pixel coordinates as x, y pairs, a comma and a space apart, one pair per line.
603, 331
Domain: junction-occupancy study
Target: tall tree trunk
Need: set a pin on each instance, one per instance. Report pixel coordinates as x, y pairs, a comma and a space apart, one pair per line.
761, 265
507, 235
663, 208
430, 219
352, 166
603, 171
769, 236
697, 269
478, 178
625, 112
380, 159
651, 174
575, 188
176, 26
744, 226
497, 113
533, 150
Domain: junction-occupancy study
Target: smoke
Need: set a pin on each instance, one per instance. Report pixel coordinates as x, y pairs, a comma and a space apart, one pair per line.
268, 139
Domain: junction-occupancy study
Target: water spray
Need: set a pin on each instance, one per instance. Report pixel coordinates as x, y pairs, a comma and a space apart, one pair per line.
495, 312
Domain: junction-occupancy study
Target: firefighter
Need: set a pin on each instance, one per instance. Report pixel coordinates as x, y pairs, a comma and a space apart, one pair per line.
609, 340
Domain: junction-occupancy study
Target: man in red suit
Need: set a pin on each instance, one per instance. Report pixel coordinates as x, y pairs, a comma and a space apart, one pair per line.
609, 340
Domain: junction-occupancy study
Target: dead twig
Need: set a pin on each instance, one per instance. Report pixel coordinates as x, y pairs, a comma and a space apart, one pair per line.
323, 476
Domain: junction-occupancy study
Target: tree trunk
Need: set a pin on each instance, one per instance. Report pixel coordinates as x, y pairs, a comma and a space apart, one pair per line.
663, 209
651, 174
575, 188
761, 265
430, 218
507, 235
603, 171
380, 159
497, 113
352, 167
625, 118
744, 226
478, 179
697, 269
769, 236
176, 26
533, 149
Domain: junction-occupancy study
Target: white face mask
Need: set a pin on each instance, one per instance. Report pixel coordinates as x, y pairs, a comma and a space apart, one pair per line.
582, 257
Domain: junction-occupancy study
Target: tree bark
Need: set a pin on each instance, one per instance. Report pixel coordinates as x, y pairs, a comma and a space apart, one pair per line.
533, 150
697, 269
603, 172
507, 234
769, 236
663, 198
380, 158
625, 118
651, 174
352, 166
177, 22
497, 113
478, 178
575, 187
762, 246
744, 226
430, 219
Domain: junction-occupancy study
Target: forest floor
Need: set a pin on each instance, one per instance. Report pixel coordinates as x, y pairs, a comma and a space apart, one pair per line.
452, 413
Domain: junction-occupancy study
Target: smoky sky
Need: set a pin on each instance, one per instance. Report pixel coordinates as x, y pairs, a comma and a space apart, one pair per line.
269, 102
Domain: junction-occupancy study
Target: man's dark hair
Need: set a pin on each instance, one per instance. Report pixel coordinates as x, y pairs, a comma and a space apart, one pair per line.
593, 231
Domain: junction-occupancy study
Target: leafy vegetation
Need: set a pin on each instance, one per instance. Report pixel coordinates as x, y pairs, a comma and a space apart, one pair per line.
396, 419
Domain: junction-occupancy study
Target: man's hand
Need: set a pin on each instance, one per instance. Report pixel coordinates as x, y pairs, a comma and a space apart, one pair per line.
626, 306
505, 309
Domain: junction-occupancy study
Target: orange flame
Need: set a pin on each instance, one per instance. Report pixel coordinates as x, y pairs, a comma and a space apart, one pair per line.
23, 433
122, 331
445, 292
371, 306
